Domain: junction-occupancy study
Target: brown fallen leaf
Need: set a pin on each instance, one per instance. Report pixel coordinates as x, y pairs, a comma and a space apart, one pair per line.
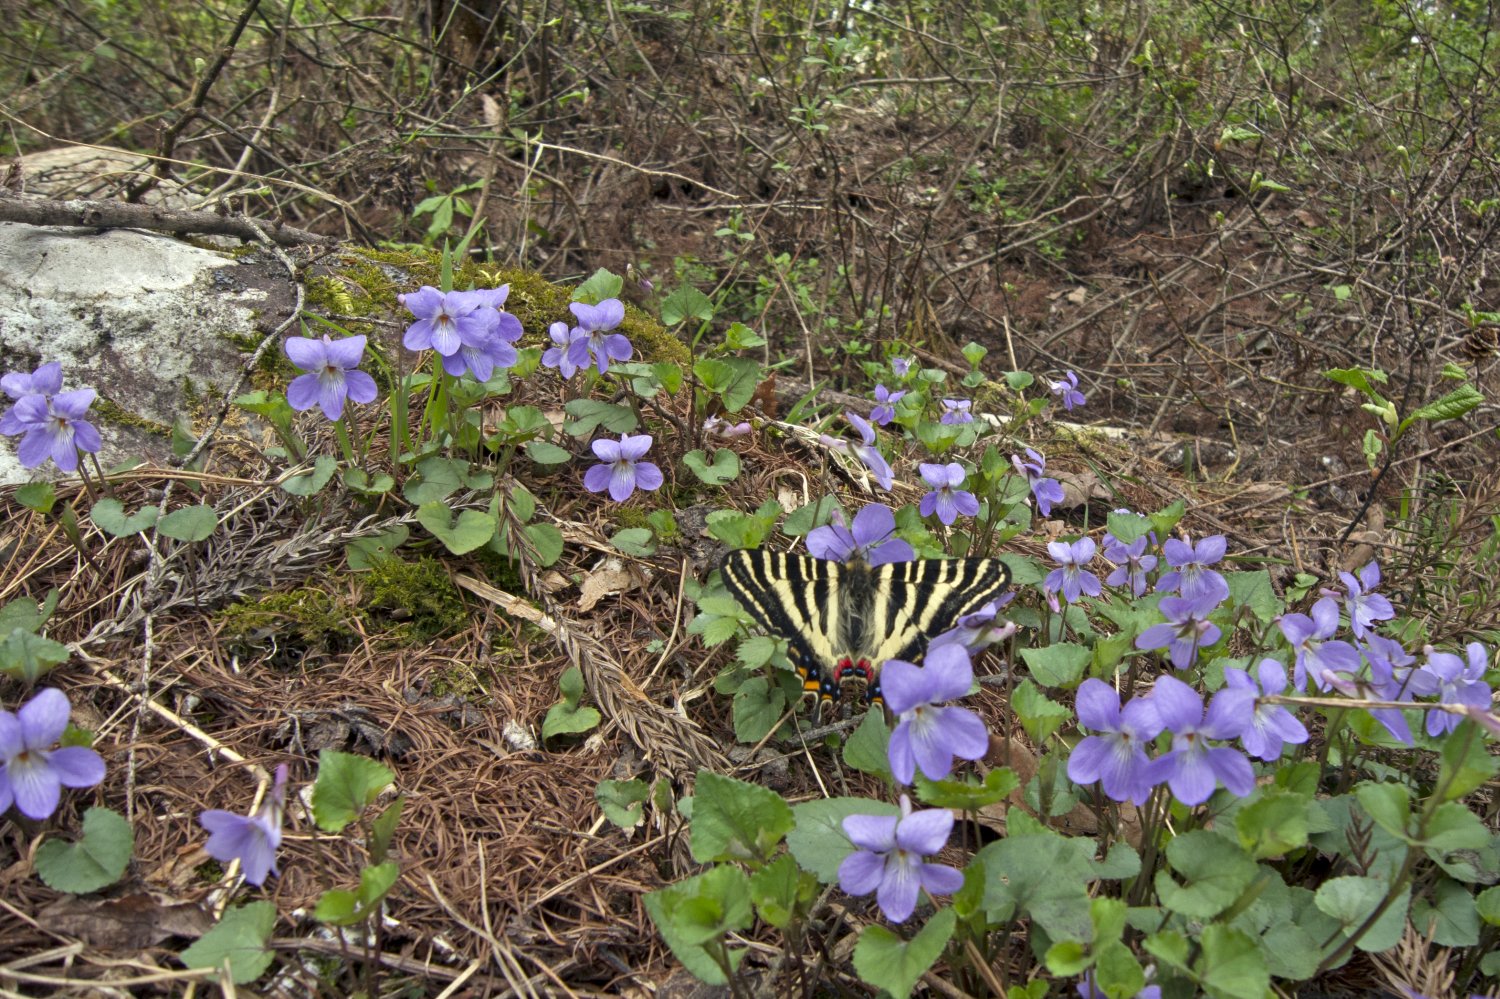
1080, 487
1262, 493
129, 923
612, 578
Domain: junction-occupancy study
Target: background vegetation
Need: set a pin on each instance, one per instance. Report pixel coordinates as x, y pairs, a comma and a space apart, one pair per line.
1198, 206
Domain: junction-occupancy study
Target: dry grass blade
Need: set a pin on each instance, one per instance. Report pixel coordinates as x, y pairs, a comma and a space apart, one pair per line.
671, 740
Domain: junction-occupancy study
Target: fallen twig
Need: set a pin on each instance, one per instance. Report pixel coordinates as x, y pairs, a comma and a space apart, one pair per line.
31, 210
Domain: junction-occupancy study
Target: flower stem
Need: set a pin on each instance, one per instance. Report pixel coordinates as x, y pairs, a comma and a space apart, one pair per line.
341, 431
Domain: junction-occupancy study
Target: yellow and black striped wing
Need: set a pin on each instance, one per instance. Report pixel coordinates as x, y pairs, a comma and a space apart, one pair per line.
917, 601
827, 611
791, 597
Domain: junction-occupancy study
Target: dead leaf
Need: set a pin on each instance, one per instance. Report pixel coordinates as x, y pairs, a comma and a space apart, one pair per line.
131, 923
1080, 487
614, 577
1258, 493
491, 109
1362, 552
1078, 295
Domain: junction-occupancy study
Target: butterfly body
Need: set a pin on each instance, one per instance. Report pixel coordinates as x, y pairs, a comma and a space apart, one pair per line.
842, 621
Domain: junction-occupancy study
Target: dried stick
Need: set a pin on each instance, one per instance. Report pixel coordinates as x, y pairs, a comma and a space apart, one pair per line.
32, 210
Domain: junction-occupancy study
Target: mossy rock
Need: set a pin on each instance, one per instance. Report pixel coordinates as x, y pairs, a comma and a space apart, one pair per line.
365, 282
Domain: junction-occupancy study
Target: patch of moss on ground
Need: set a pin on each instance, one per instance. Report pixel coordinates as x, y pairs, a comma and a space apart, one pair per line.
110, 412
309, 617
460, 680
632, 516
421, 592
535, 301
273, 370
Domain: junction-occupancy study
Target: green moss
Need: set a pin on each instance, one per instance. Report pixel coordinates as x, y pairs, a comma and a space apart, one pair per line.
109, 412
273, 370
535, 301
632, 516
312, 618
460, 679
326, 294
420, 591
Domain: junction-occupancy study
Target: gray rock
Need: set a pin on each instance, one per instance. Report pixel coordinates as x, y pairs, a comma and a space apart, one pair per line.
151, 323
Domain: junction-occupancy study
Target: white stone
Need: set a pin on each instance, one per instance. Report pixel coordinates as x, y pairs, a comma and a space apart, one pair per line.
141, 318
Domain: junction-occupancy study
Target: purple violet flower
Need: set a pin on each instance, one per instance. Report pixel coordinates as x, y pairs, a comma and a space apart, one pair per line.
1186, 630
1364, 606
1192, 768
947, 500
1066, 389
1044, 490
902, 365
56, 427
868, 453
1448, 678
1390, 680
978, 630
1316, 654
956, 411
871, 538
595, 321
1131, 563
251, 839
1389, 661
889, 861
46, 380
33, 773
569, 351
494, 298
1072, 578
885, 405
928, 736
623, 471
1272, 725
445, 319
333, 374
491, 346
1190, 575
1116, 759
723, 428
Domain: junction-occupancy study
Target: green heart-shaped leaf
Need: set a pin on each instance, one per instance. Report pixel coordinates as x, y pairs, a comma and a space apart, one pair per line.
724, 468
471, 529
109, 514
191, 523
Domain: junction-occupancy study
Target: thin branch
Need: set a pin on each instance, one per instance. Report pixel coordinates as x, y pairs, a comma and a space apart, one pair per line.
31, 210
